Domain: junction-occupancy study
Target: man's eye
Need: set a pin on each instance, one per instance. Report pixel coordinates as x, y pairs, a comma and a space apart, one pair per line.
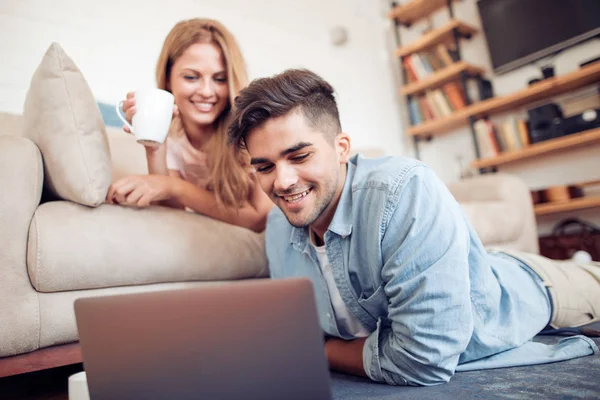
264, 169
300, 157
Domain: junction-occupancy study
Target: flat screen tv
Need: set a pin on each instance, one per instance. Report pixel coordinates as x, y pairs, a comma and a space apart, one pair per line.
519, 32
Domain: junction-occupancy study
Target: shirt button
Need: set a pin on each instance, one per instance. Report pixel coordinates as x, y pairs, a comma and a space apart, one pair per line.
328, 315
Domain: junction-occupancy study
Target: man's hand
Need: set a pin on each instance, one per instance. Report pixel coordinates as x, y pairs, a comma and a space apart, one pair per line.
141, 191
346, 355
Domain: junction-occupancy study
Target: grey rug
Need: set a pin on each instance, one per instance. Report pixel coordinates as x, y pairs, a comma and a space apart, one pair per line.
573, 379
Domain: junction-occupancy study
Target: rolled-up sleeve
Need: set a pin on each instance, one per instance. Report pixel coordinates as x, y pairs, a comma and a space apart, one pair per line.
424, 246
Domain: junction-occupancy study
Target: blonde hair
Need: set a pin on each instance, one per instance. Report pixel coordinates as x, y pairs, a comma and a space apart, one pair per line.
228, 168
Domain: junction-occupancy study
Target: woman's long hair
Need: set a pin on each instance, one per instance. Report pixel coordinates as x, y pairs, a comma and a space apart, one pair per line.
228, 168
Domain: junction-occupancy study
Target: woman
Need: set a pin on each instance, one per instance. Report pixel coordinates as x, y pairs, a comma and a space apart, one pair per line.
202, 66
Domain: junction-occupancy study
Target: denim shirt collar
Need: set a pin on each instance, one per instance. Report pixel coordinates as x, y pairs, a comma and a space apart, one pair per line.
341, 223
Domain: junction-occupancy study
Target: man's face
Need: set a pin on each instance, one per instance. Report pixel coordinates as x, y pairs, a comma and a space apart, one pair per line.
301, 169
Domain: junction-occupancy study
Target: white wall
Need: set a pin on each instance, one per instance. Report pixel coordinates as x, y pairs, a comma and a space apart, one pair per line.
115, 43
566, 167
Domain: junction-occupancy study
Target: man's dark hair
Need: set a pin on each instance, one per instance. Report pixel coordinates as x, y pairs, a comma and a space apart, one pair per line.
293, 90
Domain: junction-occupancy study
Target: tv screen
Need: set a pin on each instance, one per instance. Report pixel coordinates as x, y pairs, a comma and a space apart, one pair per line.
519, 32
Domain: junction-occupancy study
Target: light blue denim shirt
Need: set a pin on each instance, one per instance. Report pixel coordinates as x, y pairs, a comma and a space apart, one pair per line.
411, 268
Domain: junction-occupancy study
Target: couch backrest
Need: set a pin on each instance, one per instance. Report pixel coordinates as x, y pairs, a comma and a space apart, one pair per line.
10, 124
128, 156
500, 209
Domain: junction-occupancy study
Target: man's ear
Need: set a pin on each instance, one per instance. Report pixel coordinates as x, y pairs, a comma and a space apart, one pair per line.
343, 147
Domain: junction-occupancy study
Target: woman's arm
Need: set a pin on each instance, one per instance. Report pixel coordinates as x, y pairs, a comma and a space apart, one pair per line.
156, 158
141, 191
253, 215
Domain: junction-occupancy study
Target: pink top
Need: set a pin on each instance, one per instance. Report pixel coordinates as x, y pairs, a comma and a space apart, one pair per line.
192, 164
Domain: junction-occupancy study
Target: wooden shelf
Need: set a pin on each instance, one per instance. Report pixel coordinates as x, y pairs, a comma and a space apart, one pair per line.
438, 78
538, 149
415, 10
571, 205
538, 91
436, 36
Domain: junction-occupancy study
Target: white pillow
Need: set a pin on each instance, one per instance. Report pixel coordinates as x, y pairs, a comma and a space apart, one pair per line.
61, 116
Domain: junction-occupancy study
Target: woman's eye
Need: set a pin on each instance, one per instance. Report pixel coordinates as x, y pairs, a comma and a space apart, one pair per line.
189, 77
221, 80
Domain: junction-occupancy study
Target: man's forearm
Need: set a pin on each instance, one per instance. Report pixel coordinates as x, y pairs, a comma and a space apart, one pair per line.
346, 355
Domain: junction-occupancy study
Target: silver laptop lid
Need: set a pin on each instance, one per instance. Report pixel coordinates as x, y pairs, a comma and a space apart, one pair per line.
256, 339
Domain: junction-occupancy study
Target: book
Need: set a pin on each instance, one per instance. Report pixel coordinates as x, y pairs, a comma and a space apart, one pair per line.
434, 105
444, 54
426, 110
442, 103
454, 95
523, 127
414, 112
485, 140
419, 68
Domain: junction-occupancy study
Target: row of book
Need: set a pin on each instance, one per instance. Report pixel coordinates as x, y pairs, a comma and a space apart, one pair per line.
436, 103
423, 64
510, 135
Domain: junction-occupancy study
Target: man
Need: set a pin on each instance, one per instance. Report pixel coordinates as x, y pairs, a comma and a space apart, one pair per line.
405, 290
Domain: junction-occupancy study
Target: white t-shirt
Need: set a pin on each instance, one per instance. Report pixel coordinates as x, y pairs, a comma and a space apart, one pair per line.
343, 316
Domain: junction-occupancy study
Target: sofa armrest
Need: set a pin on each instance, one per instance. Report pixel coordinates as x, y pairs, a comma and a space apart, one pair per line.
21, 178
500, 208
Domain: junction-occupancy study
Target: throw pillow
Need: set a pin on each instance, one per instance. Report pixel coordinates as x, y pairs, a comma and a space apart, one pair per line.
61, 116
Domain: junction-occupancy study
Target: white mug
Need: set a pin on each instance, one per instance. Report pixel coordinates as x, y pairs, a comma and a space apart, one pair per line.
152, 118
78, 388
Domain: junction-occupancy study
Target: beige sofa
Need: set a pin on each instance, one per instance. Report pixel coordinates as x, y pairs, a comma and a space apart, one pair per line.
53, 252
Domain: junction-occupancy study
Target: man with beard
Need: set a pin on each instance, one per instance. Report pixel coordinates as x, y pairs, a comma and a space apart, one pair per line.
405, 291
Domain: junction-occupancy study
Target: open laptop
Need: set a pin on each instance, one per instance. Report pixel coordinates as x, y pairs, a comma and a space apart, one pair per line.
257, 339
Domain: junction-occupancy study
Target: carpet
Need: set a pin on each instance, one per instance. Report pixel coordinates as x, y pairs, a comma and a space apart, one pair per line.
572, 379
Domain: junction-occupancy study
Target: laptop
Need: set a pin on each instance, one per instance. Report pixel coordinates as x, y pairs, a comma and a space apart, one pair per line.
257, 339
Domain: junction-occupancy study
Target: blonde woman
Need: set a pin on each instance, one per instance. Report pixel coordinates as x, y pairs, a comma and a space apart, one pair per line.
202, 66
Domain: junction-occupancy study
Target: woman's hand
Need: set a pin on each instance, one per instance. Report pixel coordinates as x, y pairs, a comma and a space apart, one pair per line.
129, 109
141, 191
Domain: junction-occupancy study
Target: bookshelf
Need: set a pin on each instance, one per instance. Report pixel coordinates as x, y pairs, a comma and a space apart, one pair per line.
424, 77
546, 147
437, 36
414, 11
434, 75
580, 203
538, 91
439, 78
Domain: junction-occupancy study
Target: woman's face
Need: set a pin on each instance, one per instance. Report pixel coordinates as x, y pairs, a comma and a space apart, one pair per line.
199, 83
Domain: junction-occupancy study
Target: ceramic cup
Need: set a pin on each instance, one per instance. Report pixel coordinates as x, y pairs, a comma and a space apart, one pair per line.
152, 118
78, 389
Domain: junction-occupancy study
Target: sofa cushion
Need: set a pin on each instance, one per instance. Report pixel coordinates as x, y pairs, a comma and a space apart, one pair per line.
62, 118
72, 247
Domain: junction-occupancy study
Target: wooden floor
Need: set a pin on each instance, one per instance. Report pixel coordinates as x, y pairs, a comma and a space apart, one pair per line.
50, 384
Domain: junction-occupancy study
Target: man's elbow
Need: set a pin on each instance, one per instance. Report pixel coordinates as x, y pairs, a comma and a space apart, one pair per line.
432, 376
421, 375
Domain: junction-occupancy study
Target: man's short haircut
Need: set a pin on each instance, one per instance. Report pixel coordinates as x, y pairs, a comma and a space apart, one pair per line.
293, 90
